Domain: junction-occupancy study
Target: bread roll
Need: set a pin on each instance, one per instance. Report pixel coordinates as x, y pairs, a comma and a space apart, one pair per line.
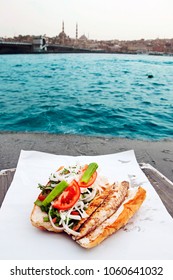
37, 220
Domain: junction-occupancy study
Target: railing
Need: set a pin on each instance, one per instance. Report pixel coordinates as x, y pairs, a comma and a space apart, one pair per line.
15, 43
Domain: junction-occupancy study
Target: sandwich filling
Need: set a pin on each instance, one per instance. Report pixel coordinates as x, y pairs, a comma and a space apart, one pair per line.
66, 210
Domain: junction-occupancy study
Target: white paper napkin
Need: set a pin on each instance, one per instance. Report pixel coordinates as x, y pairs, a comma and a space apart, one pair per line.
148, 235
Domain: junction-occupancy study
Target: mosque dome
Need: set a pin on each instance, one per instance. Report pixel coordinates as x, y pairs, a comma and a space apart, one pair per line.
83, 38
62, 35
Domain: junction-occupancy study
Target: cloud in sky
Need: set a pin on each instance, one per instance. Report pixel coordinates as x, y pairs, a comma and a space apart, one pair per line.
100, 19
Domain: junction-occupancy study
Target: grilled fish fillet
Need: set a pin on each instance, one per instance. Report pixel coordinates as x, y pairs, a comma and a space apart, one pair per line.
115, 222
93, 205
111, 203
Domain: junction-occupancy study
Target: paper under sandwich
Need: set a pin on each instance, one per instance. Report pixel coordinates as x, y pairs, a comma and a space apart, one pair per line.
80, 201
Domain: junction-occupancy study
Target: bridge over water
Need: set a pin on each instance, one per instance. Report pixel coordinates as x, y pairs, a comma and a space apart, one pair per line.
38, 45
15, 47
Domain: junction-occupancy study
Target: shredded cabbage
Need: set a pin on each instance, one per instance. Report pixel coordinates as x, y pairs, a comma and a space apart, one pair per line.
69, 174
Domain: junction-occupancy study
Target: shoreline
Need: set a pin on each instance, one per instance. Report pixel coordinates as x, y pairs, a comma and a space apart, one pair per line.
157, 153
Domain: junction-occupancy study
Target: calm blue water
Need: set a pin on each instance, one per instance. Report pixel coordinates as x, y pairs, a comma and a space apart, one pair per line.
87, 94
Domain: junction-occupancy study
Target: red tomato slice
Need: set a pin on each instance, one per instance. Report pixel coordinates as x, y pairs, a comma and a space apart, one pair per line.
42, 197
42, 228
74, 213
54, 220
90, 182
68, 197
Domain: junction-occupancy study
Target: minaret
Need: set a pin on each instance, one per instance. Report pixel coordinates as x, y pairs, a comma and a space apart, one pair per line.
63, 27
76, 31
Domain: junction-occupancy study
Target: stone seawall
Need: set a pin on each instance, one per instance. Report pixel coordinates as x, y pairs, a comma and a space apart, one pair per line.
157, 153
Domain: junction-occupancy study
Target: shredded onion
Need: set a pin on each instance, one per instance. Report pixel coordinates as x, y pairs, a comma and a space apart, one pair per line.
90, 196
79, 206
69, 230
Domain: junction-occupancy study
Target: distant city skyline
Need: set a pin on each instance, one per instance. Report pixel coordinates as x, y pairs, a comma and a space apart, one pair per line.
97, 19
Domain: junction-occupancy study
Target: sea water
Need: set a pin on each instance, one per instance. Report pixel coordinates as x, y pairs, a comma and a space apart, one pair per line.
88, 94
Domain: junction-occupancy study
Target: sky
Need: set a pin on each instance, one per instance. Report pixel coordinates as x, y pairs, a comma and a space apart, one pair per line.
97, 19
